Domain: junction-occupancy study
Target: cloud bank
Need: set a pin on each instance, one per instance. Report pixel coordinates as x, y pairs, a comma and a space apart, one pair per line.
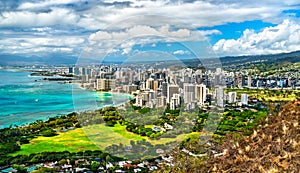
284, 37
117, 26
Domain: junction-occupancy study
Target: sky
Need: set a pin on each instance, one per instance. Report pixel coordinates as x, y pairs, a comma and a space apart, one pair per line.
116, 29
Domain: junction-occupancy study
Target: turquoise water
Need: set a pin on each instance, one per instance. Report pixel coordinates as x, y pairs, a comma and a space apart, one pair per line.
22, 100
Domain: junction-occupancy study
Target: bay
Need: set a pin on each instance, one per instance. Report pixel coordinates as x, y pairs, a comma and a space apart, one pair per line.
25, 99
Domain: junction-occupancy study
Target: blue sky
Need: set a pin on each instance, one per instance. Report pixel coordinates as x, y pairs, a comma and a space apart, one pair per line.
120, 29
235, 30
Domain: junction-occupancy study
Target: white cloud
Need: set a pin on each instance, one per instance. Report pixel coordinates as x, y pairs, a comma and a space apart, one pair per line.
182, 52
42, 4
164, 31
40, 45
146, 12
284, 37
140, 22
193, 15
141, 35
31, 19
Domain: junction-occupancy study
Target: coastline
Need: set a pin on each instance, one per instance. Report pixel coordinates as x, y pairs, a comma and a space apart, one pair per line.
58, 115
27, 117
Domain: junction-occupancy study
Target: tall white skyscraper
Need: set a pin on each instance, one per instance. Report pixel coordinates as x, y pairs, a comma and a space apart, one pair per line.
172, 89
189, 93
220, 96
249, 81
201, 93
244, 99
175, 101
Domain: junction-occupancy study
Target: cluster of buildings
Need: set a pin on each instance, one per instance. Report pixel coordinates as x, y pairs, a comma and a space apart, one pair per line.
241, 80
175, 87
155, 88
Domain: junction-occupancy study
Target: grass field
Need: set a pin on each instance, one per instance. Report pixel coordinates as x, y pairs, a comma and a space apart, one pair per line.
73, 141
92, 137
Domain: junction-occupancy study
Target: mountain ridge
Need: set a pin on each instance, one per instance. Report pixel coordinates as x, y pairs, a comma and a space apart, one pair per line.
224, 61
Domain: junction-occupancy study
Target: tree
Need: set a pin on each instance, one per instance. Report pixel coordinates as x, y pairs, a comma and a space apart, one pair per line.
94, 166
48, 132
20, 169
62, 162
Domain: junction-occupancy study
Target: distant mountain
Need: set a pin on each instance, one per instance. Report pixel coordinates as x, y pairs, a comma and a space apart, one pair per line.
234, 61
228, 61
272, 58
23, 60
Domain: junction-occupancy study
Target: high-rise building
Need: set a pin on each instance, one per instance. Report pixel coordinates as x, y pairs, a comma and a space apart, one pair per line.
220, 96
162, 101
145, 96
84, 71
155, 85
151, 94
139, 100
84, 78
201, 93
175, 101
232, 97
76, 71
71, 70
249, 81
89, 72
244, 99
172, 89
150, 83
219, 80
289, 82
164, 89
131, 88
105, 84
239, 80
189, 93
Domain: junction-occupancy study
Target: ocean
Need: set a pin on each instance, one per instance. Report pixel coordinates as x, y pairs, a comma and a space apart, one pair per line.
25, 99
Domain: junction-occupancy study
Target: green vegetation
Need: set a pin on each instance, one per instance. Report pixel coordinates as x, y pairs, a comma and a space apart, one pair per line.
267, 149
107, 130
94, 137
72, 141
56, 156
240, 121
267, 95
231, 121
19, 168
267, 68
12, 138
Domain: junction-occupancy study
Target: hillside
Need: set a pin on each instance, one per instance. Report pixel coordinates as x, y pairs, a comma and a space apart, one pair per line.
273, 147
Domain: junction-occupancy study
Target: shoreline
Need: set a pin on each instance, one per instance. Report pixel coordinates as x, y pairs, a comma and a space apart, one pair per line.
50, 115
57, 116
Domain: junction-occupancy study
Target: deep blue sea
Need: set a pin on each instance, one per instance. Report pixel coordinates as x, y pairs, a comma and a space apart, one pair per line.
24, 98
